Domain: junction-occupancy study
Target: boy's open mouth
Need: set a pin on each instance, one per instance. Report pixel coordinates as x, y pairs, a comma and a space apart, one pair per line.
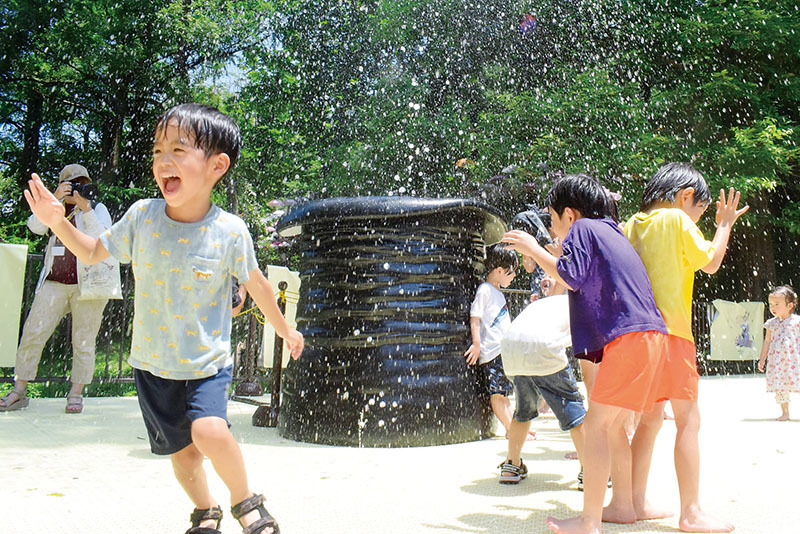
171, 184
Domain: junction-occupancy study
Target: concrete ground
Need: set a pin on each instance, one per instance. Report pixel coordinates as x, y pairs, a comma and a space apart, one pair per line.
93, 473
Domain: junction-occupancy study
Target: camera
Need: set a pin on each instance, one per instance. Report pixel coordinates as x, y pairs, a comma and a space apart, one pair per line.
87, 191
536, 222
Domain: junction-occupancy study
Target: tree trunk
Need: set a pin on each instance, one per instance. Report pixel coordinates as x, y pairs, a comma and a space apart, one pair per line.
29, 158
230, 188
112, 136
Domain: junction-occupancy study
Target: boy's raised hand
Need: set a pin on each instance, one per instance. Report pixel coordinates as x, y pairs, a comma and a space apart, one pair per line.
47, 208
727, 211
522, 242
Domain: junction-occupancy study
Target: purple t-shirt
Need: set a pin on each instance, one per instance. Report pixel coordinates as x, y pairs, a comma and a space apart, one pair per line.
611, 293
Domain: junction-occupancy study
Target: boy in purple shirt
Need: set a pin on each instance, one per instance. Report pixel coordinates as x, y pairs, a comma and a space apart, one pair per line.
614, 321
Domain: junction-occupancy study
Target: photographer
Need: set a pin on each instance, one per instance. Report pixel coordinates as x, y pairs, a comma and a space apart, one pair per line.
66, 286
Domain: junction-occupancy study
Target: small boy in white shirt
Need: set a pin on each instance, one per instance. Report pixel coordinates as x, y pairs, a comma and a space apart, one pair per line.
488, 321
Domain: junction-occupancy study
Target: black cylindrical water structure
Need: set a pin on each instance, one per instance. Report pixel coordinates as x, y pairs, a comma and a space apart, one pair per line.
386, 286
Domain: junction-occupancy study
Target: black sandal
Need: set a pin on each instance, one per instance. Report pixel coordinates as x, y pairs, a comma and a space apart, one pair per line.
256, 502
200, 515
512, 474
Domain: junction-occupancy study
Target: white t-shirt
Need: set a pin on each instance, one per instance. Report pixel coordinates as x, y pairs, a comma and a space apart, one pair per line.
490, 306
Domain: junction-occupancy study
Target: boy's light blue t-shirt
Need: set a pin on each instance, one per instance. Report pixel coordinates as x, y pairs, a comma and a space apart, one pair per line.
182, 303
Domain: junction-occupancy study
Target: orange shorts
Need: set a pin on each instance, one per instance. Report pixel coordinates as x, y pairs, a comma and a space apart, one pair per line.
629, 373
679, 378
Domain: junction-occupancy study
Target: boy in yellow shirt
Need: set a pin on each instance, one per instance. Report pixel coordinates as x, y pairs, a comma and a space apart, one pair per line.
665, 235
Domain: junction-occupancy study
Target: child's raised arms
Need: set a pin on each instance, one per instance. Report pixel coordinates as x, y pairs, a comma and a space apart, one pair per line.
49, 210
526, 244
727, 213
43, 203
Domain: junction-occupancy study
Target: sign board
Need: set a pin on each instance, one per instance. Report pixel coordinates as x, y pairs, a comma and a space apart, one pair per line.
737, 330
12, 282
275, 275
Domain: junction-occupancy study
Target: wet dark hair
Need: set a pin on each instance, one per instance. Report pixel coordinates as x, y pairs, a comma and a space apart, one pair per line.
500, 256
788, 293
613, 210
213, 131
544, 216
669, 179
580, 192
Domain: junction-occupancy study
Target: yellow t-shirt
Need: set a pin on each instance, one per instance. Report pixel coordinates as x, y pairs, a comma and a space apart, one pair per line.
672, 249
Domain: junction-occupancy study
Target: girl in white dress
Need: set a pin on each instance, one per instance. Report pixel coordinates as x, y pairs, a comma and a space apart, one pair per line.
782, 347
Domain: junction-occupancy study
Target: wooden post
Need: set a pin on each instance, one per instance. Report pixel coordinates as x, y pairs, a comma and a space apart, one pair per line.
267, 415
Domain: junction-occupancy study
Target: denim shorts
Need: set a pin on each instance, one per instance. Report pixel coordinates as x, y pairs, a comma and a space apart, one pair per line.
169, 406
493, 378
559, 390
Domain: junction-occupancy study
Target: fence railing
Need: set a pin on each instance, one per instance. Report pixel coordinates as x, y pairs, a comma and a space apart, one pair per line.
113, 341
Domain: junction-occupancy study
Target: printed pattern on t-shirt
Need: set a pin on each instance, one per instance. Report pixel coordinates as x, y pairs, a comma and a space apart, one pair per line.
182, 271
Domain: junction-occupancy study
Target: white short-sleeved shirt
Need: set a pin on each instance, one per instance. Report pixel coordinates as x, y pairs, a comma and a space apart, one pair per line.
490, 305
182, 302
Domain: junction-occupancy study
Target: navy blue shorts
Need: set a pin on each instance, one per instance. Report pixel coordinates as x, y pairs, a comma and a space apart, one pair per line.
559, 390
170, 406
493, 378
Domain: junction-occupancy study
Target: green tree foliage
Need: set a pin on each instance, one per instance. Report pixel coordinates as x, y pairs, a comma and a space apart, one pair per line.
85, 80
418, 97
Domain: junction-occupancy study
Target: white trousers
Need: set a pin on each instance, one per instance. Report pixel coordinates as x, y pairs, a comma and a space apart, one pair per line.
50, 304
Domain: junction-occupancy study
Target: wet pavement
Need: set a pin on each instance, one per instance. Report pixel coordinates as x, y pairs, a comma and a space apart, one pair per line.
94, 473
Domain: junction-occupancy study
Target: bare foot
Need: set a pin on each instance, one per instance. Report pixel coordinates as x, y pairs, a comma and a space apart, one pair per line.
651, 512
700, 522
783, 417
573, 525
571, 455
208, 523
614, 513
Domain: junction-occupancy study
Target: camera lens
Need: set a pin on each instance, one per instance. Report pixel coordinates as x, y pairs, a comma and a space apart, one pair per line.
87, 191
